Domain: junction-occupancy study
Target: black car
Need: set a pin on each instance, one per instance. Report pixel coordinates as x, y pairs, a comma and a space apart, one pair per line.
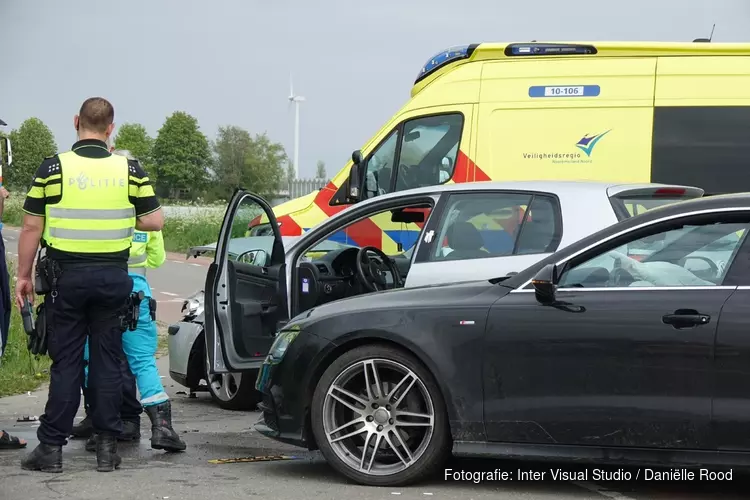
629, 345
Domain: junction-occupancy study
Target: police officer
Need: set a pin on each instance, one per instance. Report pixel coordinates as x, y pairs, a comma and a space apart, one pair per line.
147, 251
84, 205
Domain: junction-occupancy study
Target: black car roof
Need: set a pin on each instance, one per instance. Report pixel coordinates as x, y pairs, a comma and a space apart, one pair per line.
708, 203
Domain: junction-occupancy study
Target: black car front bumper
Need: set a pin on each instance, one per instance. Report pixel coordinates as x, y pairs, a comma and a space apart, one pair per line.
286, 387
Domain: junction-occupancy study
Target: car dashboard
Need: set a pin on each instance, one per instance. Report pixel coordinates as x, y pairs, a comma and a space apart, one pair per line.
333, 276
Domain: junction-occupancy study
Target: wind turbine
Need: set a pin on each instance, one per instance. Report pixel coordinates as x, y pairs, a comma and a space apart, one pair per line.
295, 99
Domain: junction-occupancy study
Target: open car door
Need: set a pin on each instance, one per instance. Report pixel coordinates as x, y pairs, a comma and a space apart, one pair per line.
246, 299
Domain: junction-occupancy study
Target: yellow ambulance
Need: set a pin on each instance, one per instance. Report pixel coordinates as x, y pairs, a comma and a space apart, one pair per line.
612, 111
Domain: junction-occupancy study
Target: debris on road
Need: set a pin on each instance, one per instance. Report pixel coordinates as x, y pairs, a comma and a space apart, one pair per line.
270, 458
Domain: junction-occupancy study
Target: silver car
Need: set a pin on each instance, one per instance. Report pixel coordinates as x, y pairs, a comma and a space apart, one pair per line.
448, 233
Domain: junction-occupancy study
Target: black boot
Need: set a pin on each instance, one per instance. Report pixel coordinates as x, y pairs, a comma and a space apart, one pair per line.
91, 443
163, 437
107, 458
45, 458
84, 428
131, 431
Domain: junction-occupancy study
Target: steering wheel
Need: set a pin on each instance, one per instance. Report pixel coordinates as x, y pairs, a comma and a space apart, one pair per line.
407, 176
621, 278
712, 267
371, 270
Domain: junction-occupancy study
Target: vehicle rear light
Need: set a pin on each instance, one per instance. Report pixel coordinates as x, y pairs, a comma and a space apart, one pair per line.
637, 257
669, 192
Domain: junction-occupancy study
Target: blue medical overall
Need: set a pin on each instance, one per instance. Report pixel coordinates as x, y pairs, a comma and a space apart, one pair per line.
140, 348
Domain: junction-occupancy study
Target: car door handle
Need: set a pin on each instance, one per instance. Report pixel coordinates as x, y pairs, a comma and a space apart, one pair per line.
685, 318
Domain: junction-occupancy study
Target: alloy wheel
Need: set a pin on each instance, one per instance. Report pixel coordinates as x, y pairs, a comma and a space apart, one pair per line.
225, 385
378, 417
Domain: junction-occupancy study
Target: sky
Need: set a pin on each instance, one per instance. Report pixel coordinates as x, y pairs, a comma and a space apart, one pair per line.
228, 62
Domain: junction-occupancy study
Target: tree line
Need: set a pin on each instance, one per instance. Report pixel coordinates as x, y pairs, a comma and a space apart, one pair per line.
181, 161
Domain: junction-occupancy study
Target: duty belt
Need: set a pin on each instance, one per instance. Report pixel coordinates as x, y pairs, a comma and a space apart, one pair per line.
77, 264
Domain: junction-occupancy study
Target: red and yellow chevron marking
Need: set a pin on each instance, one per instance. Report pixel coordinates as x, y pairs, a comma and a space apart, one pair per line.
296, 216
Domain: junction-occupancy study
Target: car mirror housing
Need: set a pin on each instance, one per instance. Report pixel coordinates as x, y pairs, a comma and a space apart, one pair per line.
545, 284
354, 177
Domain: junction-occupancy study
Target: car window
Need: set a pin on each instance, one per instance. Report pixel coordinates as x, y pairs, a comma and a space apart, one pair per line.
690, 255
380, 231
482, 225
243, 247
379, 170
424, 149
429, 148
541, 231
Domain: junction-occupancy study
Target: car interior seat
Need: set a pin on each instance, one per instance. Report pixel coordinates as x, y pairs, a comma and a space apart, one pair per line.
537, 234
466, 242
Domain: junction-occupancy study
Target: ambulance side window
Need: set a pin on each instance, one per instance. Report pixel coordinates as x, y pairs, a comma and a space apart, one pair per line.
379, 170
429, 149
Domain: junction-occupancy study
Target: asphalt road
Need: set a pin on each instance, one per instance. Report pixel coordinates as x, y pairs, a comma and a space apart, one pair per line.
212, 433
174, 281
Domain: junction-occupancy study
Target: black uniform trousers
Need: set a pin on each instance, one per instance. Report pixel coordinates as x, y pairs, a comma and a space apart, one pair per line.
131, 408
90, 300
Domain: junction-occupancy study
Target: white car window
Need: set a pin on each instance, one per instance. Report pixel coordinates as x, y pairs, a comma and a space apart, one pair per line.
483, 225
691, 255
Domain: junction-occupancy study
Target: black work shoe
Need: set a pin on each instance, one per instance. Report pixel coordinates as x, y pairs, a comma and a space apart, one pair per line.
163, 437
107, 458
84, 428
131, 431
45, 458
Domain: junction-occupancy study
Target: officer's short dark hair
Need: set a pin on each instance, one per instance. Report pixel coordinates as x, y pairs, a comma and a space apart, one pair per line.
96, 114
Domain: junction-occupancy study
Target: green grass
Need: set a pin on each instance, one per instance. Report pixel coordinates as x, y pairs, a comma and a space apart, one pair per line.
180, 232
20, 371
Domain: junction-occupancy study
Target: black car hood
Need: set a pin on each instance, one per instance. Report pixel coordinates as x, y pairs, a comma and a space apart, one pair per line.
470, 294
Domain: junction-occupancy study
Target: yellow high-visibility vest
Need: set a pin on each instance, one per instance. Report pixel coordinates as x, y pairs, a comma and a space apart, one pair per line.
147, 251
95, 214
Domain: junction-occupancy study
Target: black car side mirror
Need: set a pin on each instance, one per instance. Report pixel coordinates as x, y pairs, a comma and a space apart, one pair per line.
545, 284
354, 177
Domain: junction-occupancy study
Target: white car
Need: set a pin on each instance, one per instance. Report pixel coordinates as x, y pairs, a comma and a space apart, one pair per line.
450, 233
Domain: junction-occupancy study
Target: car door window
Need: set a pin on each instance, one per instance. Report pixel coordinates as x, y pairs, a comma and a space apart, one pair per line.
429, 149
379, 170
378, 230
689, 255
482, 225
542, 229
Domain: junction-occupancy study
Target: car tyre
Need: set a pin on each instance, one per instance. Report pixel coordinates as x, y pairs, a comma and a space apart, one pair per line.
433, 449
234, 391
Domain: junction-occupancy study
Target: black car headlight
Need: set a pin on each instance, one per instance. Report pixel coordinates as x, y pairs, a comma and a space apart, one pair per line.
282, 342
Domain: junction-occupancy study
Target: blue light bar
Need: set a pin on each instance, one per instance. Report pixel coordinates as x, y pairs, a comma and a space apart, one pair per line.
442, 58
547, 49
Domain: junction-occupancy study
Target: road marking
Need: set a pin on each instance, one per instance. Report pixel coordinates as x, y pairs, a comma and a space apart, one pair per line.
196, 265
170, 294
601, 490
177, 261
